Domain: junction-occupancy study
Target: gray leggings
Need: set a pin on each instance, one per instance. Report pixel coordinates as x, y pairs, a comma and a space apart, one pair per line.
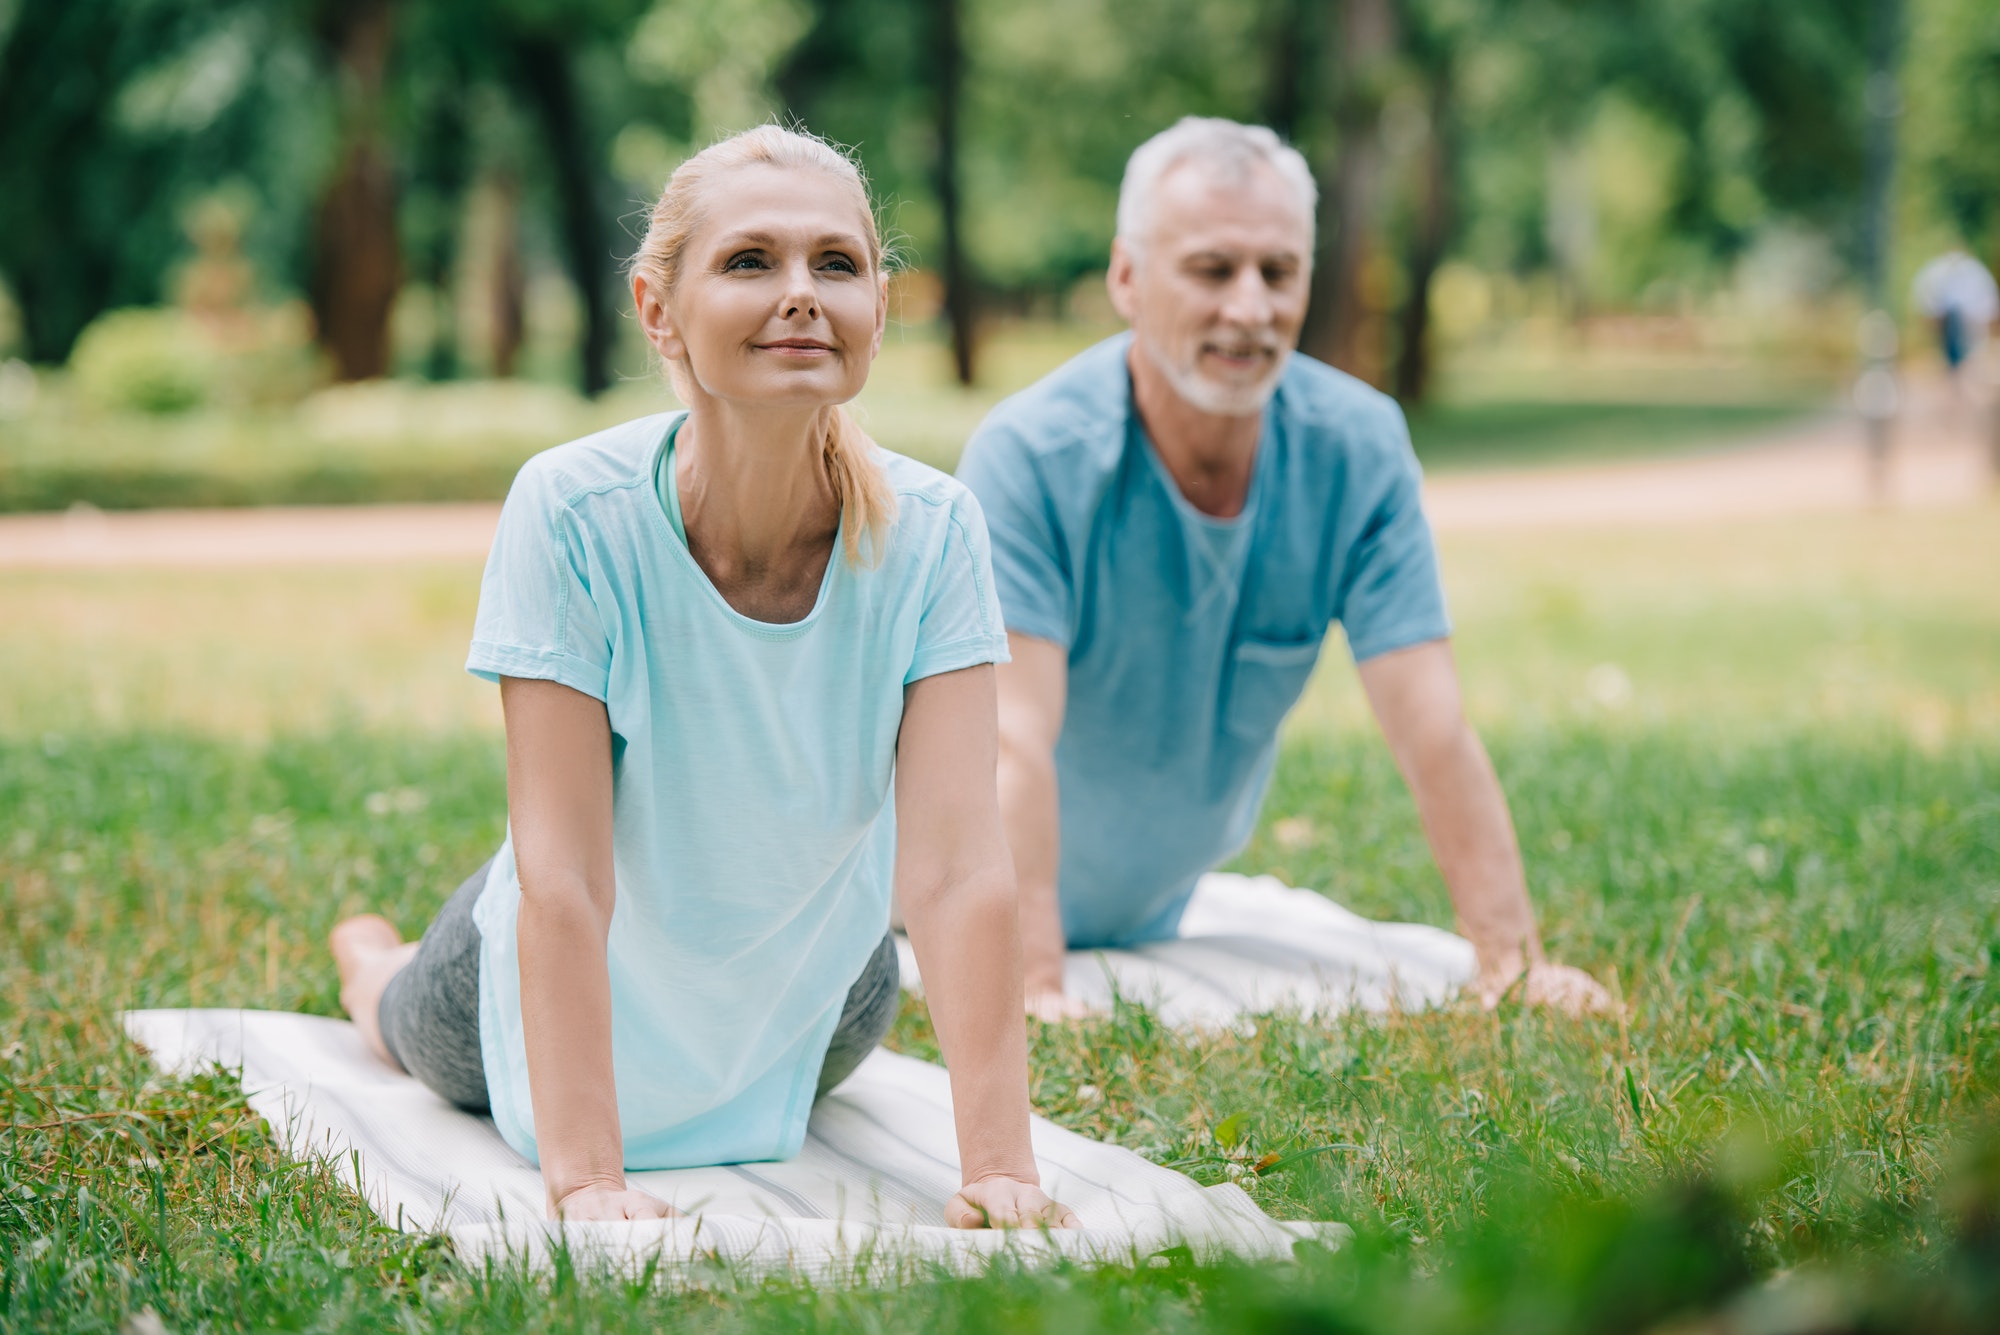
430, 1009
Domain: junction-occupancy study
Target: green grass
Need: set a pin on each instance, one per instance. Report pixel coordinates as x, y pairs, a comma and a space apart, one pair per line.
408, 441
1489, 434
1779, 842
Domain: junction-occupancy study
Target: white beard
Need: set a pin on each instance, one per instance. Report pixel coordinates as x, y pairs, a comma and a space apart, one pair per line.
1209, 396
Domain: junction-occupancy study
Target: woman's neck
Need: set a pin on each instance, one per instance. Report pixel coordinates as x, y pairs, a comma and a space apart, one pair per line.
759, 509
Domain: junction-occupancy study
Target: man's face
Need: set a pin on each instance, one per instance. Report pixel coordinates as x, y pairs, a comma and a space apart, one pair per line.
1215, 292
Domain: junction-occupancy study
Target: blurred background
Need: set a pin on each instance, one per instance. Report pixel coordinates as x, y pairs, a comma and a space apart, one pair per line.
344, 250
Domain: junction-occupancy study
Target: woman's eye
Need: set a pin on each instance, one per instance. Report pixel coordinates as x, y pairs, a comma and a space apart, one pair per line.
749, 259
840, 264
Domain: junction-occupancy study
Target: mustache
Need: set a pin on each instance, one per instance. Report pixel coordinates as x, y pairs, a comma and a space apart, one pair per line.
1246, 340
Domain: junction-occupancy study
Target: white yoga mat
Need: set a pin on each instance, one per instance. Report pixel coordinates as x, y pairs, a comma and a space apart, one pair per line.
862, 1204
1249, 945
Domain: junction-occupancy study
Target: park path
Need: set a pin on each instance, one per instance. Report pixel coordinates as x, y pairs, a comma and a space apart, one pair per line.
1945, 454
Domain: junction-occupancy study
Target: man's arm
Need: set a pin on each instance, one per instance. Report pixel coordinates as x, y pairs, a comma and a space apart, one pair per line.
1415, 696
1034, 688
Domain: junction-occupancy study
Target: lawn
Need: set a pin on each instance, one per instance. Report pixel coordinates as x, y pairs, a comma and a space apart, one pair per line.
411, 441
1756, 773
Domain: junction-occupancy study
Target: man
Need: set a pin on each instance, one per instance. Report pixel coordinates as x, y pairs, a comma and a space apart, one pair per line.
1958, 295
1178, 516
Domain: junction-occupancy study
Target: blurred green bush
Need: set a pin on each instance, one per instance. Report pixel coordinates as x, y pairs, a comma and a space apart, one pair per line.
145, 360
165, 360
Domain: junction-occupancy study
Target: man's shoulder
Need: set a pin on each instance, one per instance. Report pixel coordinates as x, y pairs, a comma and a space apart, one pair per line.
1338, 413
1076, 414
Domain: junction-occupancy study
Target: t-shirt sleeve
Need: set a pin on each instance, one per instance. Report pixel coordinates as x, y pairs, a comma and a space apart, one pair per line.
536, 615
1030, 564
960, 625
1394, 597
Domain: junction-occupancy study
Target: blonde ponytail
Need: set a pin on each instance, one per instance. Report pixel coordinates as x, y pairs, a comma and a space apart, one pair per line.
867, 502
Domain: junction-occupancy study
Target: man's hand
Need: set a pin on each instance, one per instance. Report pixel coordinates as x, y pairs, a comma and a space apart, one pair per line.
1569, 990
1004, 1202
603, 1201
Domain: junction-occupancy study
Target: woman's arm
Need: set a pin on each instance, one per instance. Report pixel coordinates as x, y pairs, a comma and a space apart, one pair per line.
955, 881
559, 809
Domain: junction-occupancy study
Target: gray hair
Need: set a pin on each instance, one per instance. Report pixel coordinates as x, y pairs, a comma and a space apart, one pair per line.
1224, 147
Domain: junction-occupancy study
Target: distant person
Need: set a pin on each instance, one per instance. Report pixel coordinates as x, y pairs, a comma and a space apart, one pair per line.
726, 640
1957, 294
1179, 517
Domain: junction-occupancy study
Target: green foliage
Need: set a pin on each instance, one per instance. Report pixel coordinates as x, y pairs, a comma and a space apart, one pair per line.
1955, 53
162, 360
149, 361
113, 116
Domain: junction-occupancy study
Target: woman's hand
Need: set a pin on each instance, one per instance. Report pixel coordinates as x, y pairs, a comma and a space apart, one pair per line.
1004, 1202
602, 1201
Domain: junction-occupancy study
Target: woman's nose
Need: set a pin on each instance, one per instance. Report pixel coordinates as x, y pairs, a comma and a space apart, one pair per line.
800, 296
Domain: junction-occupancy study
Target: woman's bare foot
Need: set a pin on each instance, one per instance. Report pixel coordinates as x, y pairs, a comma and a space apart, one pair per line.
368, 951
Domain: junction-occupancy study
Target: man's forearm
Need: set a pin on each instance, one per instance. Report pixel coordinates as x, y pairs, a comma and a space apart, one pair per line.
1029, 813
1471, 835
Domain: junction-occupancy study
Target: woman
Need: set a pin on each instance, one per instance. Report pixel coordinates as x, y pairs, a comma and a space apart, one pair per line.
722, 639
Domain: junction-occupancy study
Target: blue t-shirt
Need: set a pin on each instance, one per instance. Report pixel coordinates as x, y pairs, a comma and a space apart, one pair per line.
752, 832
1189, 637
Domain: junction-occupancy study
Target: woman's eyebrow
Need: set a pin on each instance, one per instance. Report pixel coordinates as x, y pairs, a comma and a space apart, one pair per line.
770, 241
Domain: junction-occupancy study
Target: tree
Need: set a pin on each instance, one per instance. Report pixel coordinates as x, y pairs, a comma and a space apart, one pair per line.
113, 116
357, 261
1955, 103
948, 65
1340, 326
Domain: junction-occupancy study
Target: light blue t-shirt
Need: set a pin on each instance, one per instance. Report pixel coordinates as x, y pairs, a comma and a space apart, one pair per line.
1189, 637
752, 832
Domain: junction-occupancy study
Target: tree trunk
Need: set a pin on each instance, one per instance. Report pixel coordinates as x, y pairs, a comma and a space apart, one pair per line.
357, 260
1284, 89
1428, 241
960, 297
507, 290
586, 230
1342, 327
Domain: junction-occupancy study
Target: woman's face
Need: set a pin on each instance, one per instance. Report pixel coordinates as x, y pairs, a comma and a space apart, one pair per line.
779, 302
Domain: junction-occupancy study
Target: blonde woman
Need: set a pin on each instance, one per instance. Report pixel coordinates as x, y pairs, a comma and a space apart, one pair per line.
745, 660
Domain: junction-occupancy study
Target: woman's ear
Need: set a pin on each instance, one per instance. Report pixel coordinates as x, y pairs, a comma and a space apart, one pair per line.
657, 320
